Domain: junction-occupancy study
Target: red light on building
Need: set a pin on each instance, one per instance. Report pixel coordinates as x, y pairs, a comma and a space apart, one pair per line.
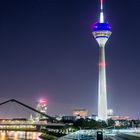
43, 101
102, 64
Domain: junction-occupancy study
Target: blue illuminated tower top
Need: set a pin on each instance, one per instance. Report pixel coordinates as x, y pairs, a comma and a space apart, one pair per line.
101, 30
101, 26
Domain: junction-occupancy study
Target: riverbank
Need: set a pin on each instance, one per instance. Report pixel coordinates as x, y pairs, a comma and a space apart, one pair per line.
47, 137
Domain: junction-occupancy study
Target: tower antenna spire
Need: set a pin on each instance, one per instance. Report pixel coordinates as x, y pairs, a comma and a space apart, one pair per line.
101, 5
101, 13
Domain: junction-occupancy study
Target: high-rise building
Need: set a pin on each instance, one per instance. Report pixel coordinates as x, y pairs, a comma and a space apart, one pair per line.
42, 106
110, 113
101, 32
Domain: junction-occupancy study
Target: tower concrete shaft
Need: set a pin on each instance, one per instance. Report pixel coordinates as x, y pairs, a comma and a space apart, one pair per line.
101, 32
102, 95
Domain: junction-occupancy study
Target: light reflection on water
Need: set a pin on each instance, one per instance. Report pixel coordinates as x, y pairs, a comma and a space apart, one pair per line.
19, 135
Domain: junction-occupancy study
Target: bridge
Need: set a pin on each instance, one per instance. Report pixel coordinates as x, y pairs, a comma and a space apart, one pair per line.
50, 123
28, 124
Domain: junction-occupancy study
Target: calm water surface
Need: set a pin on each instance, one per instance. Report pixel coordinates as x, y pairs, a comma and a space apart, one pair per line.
19, 135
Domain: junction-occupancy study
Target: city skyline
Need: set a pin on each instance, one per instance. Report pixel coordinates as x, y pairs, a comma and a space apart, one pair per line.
47, 50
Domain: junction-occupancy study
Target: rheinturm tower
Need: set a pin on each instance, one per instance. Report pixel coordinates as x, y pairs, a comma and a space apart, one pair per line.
101, 32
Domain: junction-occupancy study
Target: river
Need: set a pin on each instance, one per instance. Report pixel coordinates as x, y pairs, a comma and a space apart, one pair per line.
19, 135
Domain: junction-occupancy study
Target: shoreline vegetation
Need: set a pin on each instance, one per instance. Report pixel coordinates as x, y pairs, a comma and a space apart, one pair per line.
45, 136
51, 135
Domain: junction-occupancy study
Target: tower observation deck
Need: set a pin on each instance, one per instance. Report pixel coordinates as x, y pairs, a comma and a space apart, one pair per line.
101, 31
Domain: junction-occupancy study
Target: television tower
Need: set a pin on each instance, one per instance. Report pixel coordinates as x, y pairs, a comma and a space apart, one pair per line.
101, 32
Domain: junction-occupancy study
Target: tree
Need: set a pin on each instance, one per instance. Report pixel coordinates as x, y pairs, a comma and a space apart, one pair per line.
110, 122
89, 124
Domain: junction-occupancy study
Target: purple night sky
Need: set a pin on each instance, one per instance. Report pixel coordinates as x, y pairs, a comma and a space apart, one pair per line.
47, 51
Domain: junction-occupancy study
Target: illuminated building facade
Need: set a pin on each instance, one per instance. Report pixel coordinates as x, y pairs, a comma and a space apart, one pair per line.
80, 112
101, 32
42, 106
110, 112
